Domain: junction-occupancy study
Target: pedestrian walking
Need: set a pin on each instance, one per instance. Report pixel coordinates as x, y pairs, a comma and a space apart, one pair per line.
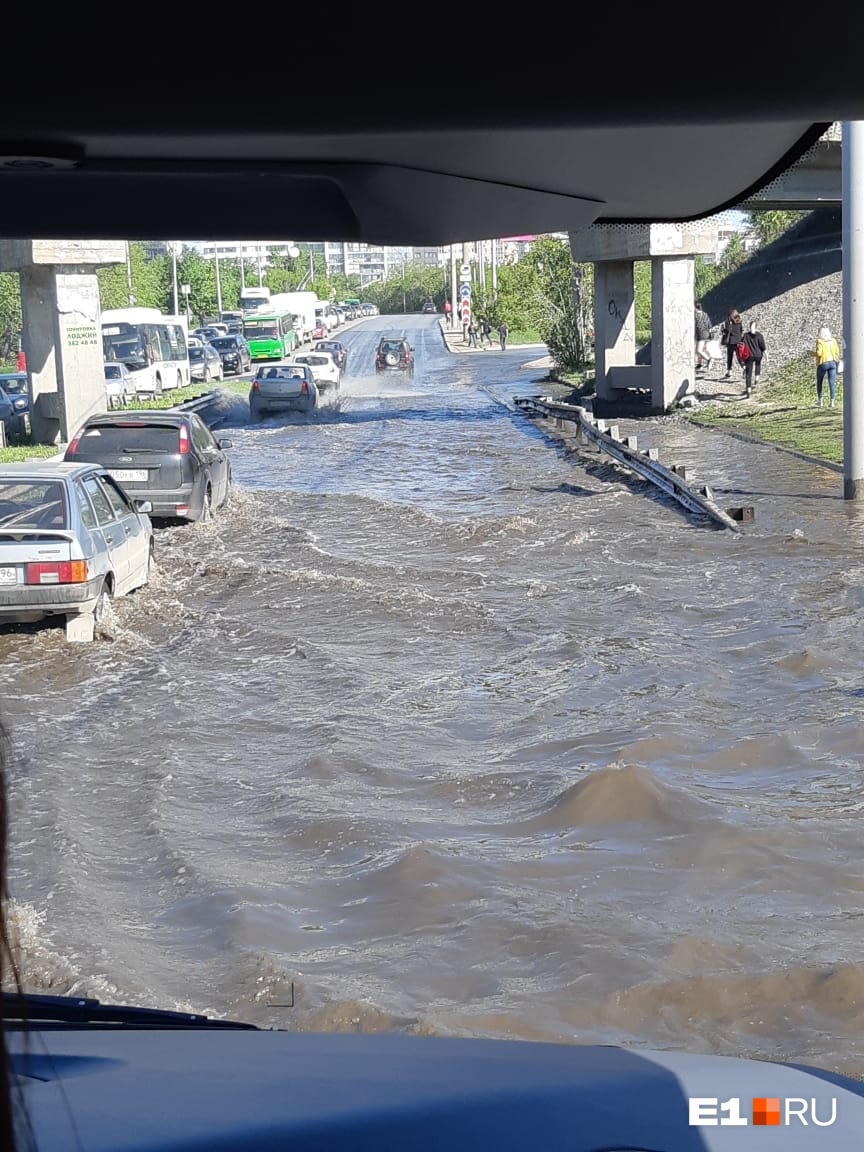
503, 333
730, 337
703, 332
754, 342
827, 364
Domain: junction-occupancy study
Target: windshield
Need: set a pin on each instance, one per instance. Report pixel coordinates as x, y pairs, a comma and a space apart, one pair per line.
14, 386
129, 349
113, 372
196, 352
32, 504
261, 331
224, 343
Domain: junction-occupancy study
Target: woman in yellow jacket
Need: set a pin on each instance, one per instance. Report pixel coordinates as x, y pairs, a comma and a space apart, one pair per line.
827, 364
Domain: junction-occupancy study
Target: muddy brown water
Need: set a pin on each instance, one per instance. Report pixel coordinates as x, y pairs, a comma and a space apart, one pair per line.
462, 736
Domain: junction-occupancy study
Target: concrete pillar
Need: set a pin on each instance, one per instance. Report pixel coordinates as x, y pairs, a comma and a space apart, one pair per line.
62, 333
614, 321
672, 337
853, 310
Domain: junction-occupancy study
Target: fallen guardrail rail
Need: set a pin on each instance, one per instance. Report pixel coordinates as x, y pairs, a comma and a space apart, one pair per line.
209, 406
643, 462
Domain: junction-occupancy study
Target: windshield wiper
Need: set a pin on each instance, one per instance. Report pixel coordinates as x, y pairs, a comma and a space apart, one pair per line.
33, 1010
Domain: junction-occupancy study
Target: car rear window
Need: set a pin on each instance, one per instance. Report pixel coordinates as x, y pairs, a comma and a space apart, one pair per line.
32, 504
223, 343
126, 439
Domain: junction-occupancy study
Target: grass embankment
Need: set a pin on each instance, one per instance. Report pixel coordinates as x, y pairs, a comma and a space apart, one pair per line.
783, 411
25, 449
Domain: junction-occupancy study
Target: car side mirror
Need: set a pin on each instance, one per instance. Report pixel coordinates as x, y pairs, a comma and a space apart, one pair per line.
144, 506
223, 444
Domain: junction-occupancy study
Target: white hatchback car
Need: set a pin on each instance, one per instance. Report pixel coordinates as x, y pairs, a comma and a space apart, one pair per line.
324, 369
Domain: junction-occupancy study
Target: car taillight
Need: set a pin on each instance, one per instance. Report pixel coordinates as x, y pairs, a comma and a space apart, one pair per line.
304, 387
184, 440
64, 572
255, 385
73, 446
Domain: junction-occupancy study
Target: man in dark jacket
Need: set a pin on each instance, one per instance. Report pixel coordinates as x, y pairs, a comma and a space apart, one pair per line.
703, 332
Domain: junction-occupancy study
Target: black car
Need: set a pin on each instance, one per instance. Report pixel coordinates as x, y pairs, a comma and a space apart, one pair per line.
234, 352
16, 386
168, 458
336, 349
394, 354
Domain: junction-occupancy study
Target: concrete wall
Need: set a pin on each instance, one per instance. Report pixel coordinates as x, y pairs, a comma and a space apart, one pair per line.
604, 242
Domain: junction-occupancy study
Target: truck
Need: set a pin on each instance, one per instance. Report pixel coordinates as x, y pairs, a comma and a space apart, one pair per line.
302, 305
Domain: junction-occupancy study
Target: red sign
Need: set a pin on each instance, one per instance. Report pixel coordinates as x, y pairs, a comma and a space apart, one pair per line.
466, 310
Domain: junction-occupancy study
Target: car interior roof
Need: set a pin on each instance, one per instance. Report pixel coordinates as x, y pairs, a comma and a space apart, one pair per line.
622, 128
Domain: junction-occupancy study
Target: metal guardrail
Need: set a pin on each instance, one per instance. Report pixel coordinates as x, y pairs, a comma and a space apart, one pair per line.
204, 405
644, 462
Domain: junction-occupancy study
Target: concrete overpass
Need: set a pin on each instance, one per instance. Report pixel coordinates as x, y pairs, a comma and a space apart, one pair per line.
814, 182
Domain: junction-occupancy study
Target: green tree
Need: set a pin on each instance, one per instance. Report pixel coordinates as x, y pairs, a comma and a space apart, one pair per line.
767, 226
10, 314
151, 280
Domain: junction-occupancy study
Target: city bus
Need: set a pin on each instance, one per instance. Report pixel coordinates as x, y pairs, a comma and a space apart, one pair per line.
252, 299
153, 347
270, 334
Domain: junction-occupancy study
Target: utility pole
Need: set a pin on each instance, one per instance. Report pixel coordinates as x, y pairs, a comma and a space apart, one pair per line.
242, 268
218, 281
454, 286
173, 244
853, 309
404, 306
481, 266
129, 276
494, 244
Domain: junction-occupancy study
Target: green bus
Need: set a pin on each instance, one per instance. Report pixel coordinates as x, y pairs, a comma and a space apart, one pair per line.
270, 335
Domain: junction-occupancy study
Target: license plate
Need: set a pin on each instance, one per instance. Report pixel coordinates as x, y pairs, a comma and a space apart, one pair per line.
8, 575
130, 475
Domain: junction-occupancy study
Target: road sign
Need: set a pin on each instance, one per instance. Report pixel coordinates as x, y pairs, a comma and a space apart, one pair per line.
466, 310
465, 271
465, 291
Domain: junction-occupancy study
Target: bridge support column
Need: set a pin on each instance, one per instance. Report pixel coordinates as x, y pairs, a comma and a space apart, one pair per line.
614, 322
61, 321
853, 310
673, 351
621, 383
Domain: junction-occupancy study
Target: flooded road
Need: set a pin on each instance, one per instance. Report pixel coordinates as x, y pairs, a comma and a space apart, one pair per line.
460, 736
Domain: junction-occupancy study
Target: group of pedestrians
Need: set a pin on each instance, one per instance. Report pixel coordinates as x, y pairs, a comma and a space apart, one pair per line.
483, 333
748, 348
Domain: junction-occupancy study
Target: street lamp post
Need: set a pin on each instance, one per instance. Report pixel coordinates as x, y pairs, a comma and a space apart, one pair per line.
404, 305
186, 289
218, 281
129, 276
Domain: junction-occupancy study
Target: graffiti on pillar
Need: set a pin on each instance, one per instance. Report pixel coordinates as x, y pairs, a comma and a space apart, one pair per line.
626, 335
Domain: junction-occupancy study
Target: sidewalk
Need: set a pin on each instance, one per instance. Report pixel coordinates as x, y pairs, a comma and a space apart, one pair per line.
455, 343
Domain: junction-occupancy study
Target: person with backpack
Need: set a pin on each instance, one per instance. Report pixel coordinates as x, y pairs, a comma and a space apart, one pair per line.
750, 353
703, 332
731, 335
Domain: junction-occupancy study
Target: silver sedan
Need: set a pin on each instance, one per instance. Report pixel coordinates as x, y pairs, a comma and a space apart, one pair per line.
70, 541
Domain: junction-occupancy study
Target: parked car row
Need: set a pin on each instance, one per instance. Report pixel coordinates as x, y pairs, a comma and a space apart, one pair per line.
77, 534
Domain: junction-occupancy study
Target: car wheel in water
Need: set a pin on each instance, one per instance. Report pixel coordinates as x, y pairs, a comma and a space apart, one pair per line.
105, 625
